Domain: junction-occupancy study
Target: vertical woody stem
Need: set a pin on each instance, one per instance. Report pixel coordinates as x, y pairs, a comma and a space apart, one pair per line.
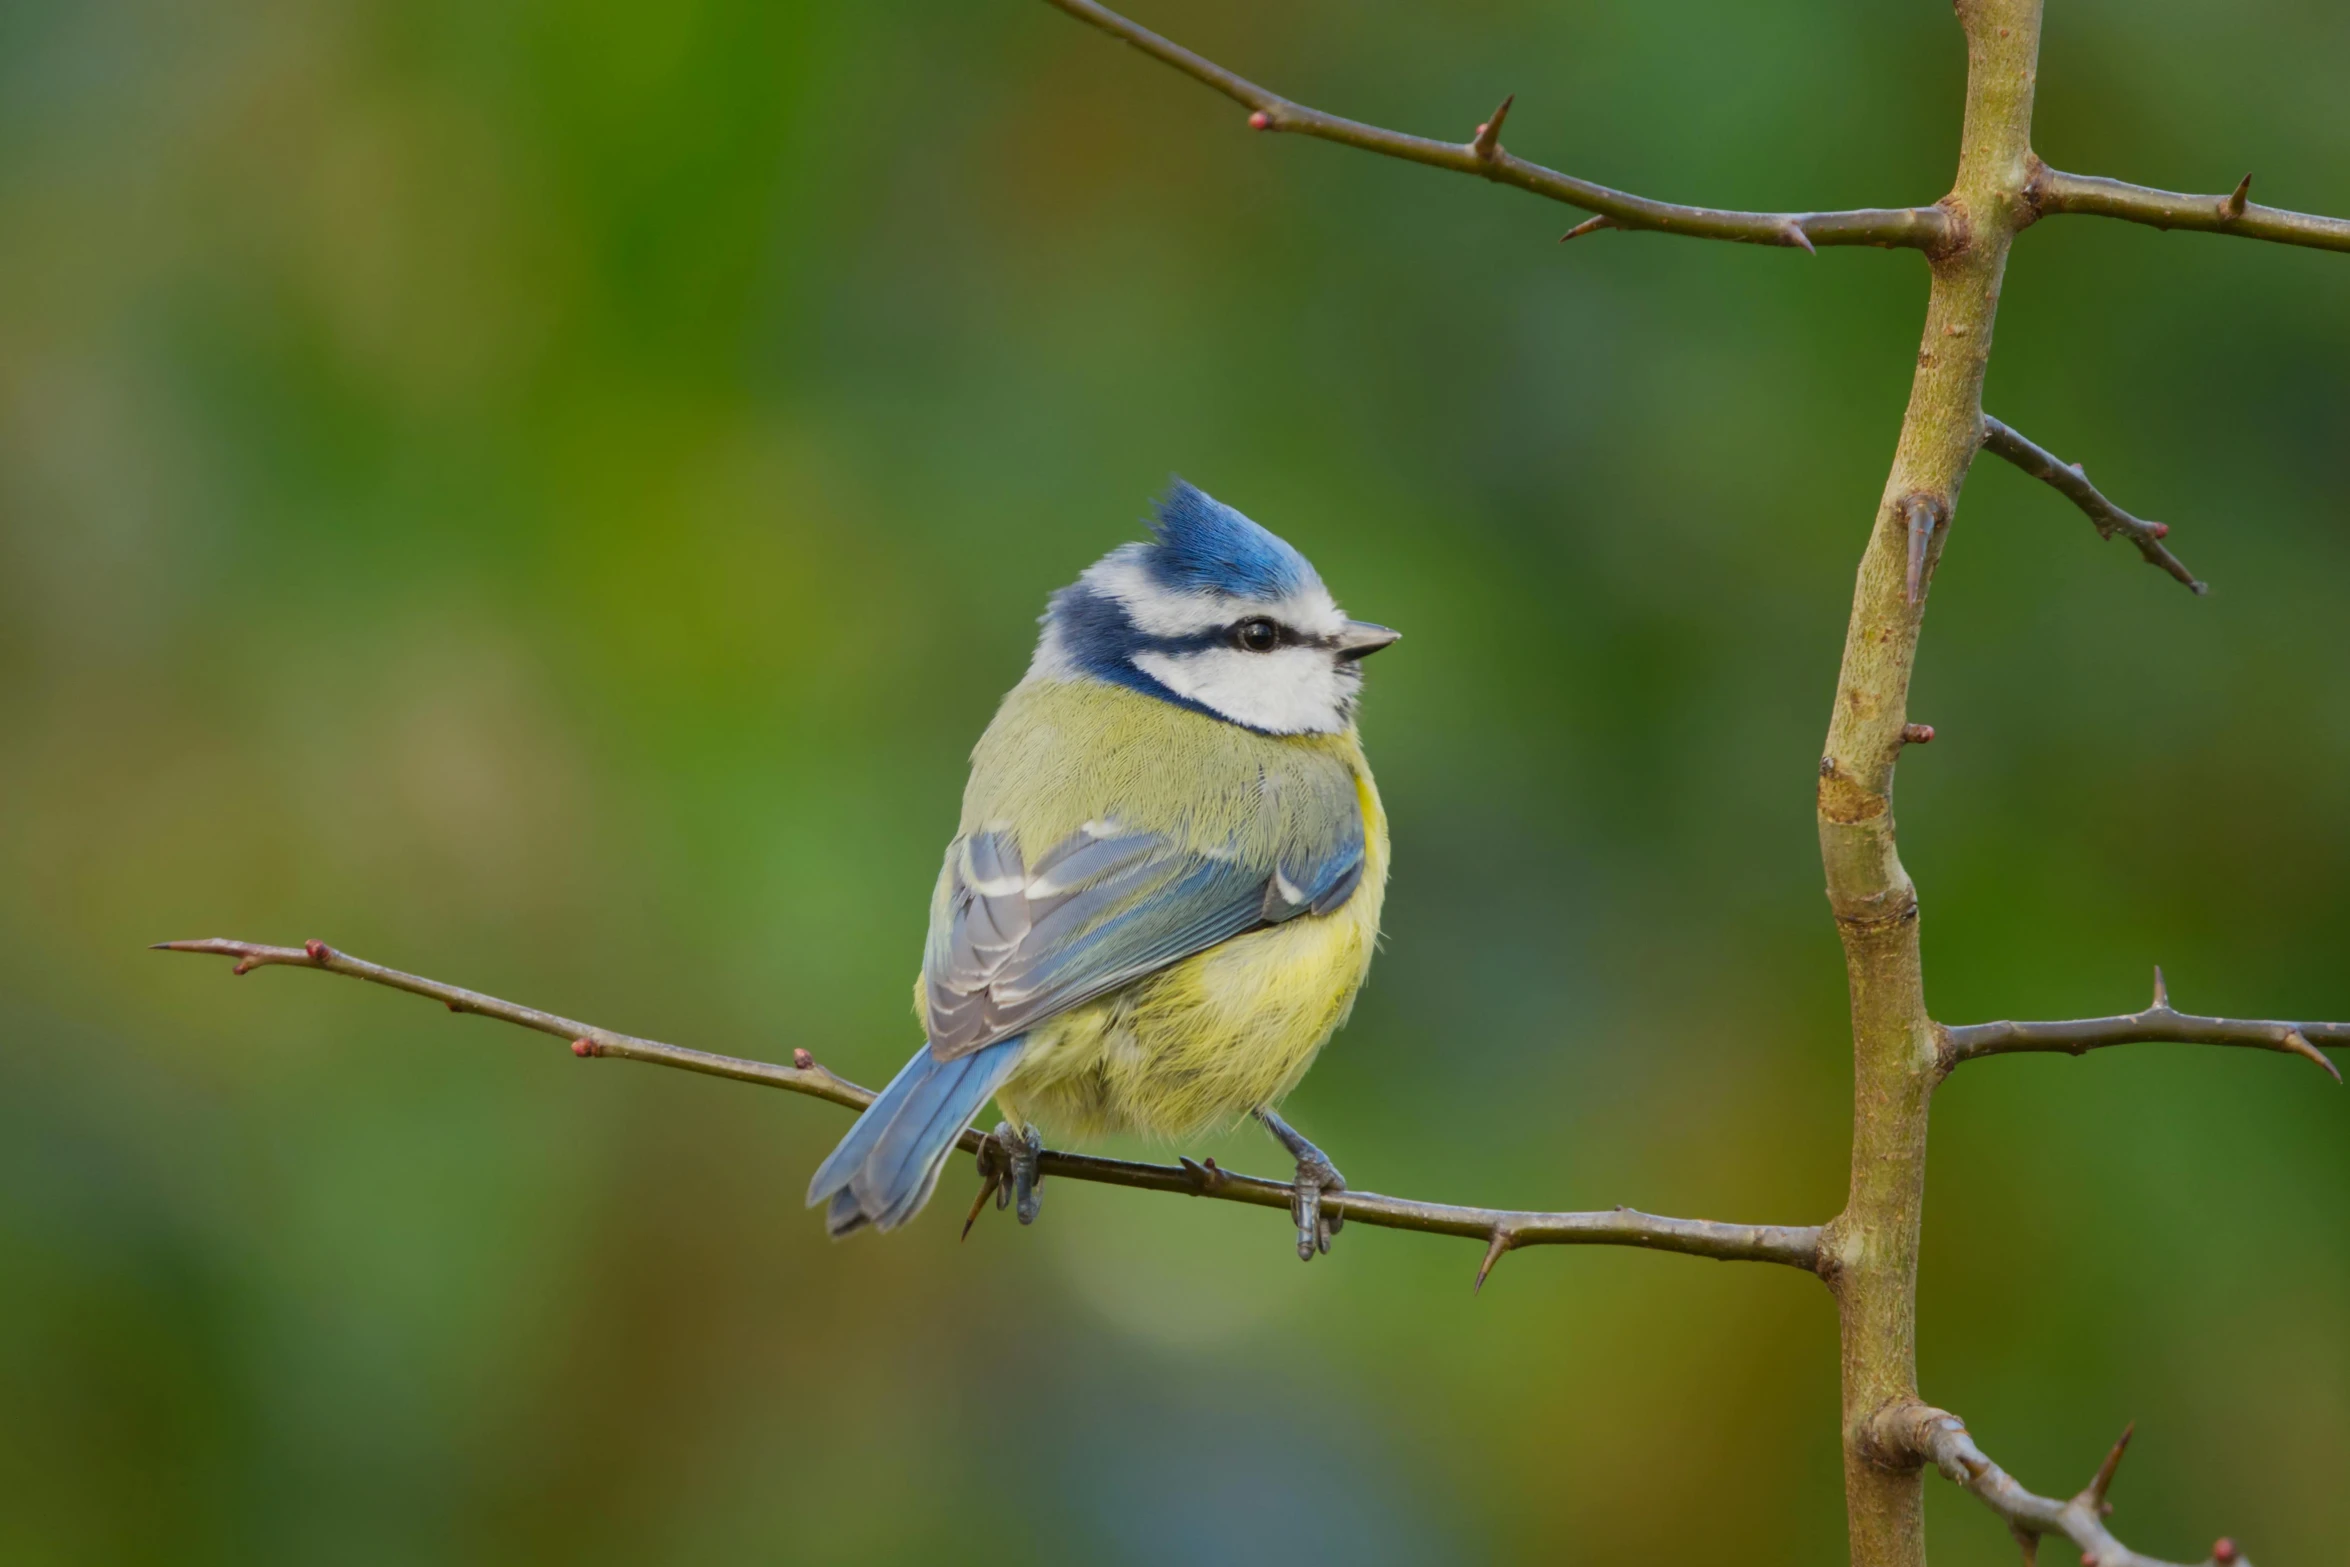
1872, 1247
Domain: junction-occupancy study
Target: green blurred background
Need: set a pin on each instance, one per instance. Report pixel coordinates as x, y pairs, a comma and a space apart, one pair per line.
546, 495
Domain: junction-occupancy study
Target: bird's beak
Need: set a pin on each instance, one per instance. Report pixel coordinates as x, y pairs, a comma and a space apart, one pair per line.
1360, 639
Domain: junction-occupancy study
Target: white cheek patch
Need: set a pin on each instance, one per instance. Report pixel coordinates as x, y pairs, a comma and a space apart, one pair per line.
1291, 691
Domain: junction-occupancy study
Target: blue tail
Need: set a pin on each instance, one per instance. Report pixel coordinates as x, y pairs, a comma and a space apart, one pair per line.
883, 1171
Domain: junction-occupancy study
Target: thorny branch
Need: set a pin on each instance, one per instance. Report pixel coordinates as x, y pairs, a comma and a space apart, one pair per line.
2052, 191
2159, 1023
1795, 1246
1868, 1254
1909, 1434
1914, 228
2072, 482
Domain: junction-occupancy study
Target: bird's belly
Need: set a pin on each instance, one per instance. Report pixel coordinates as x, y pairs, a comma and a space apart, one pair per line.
1202, 1042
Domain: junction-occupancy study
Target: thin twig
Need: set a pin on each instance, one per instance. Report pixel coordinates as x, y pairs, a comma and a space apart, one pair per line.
2159, 1023
1909, 1434
2052, 191
1915, 228
2073, 484
1795, 1246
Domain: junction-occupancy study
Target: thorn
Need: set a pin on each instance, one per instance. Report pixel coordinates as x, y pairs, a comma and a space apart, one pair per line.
1793, 234
583, 1048
990, 1181
1488, 138
2113, 1461
2028, 1541
1501, 1243
2231, 206
317, 951
2159, 530
2161, 991
245, 965
1588, 226
1260, 121
1917, 734
2223, 1551
453, 1006
1204, 1176
804, 1061
1925, 515
2299, 1044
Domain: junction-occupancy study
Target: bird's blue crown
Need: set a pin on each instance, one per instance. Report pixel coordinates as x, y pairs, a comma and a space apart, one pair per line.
1202, 545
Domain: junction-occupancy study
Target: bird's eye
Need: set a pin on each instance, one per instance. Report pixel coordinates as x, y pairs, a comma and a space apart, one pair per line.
1256, 635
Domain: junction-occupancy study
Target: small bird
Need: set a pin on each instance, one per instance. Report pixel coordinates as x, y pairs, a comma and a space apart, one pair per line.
1165, 889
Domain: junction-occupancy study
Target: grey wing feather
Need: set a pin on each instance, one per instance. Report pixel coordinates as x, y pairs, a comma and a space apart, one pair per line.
1012, 945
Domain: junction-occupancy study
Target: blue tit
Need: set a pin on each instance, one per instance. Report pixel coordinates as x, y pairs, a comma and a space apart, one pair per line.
1165, 890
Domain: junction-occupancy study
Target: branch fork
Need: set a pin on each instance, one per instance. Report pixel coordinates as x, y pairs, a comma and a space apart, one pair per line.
1908, 1434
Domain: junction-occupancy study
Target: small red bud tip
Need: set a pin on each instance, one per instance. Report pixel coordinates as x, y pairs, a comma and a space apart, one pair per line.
244, 966
2160, 530
2223, 1550
802, 1060
583, 1048
2088, 1559
317, 950
1260, 121
1917, 734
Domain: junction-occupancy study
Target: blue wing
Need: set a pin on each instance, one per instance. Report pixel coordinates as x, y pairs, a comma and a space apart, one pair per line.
1011, 944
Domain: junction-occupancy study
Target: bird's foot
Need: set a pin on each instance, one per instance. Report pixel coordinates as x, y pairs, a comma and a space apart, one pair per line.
1022, 1149
1008, 1172
1316, 1177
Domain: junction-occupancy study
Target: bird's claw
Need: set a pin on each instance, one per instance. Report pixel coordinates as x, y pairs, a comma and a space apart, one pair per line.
1316, 1178
1008, 1172
1315, 1224
1021, 1150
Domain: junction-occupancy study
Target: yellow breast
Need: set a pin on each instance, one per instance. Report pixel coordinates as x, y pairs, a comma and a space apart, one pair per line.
1209, 1039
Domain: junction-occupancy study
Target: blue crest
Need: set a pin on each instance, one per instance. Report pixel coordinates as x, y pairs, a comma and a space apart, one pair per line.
1204, 545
